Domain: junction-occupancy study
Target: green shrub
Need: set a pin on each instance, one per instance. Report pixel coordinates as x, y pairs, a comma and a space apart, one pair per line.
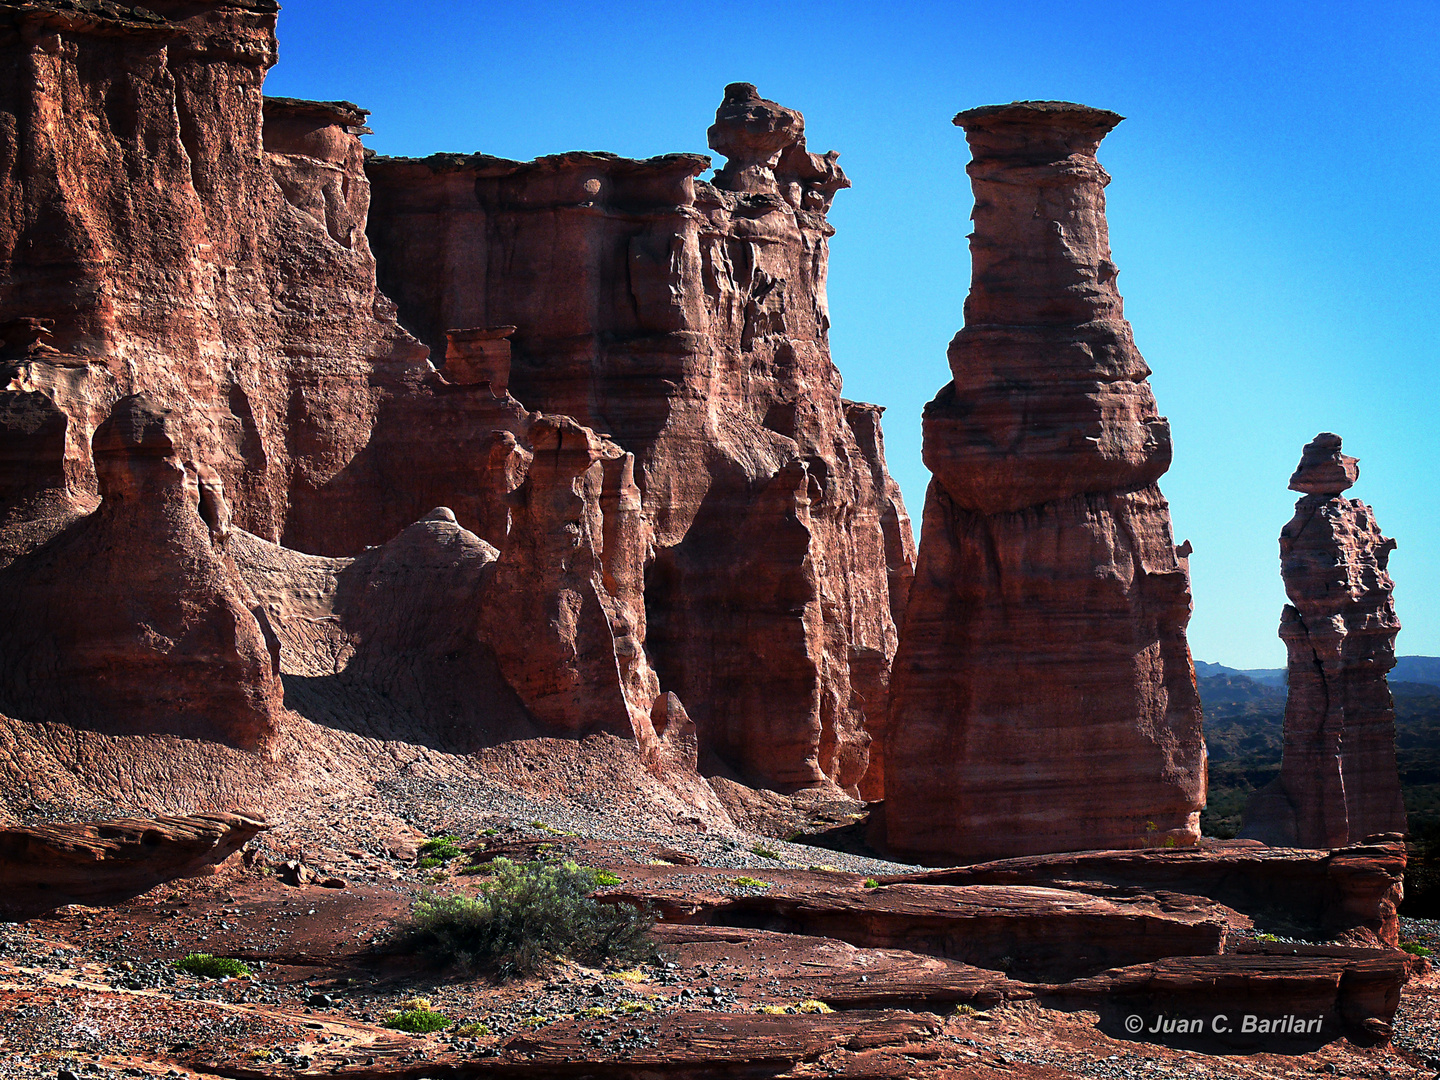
527, 916
441, 849
871, 883
430, 862
764, 852
212, 967
755, 882
417, 1021
604, 879
1416, 949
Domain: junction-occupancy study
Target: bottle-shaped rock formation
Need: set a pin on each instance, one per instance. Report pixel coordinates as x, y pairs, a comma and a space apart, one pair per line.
1043, 697
1338, 781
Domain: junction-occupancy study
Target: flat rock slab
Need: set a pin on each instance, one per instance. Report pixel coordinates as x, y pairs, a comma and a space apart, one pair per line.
1033, 933
101, 862
1352, 890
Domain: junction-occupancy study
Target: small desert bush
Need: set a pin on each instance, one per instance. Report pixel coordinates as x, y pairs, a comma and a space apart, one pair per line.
441, 848
754, 882
809, 1006
1414, 948
212, 967
871, 883
526, 916
764, 852
604, 879
419, 1019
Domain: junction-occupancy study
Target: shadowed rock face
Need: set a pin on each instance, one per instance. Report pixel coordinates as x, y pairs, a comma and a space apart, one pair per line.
688, 322
1043, 698
1338, 780
134, 619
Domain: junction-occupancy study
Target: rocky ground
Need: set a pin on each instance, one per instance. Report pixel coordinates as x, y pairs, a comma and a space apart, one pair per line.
312, 908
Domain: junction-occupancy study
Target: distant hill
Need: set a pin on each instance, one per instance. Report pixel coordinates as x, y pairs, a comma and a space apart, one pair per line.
1408, 669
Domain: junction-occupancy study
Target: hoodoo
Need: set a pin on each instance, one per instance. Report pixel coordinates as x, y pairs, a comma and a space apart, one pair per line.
1338, 780
1043, 696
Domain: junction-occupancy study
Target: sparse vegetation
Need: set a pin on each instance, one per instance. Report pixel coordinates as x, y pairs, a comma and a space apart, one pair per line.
536, 1021
441, 849
604, 879
750, 881
206, 966
417, 1017
1414, 948
472, 1031
764, 852
1266, 937
525, 917
810, 1005
871, 883
630, 975
966, 1010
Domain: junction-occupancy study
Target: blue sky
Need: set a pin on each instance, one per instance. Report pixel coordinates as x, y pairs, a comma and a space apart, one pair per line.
1273, 213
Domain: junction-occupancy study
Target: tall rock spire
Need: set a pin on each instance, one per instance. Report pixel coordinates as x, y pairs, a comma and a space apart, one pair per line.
1338, 780
1043, 698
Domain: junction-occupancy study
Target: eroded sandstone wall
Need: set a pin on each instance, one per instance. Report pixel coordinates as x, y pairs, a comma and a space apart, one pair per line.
688, 321
1338, 779
1043, 698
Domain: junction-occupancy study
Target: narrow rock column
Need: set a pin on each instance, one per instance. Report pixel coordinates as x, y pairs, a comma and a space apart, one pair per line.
1043, 697
1338, 779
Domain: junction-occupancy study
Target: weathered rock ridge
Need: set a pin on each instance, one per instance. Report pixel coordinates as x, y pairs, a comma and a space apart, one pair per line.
221, 454
1043, 697
688, 321
1338, 779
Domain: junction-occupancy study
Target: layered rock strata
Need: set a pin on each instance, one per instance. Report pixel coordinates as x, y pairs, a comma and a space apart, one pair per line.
102, 862
1338, 779
688, 322
1043, 698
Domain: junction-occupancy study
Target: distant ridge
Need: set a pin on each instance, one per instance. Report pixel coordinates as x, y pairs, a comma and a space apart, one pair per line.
1408, 669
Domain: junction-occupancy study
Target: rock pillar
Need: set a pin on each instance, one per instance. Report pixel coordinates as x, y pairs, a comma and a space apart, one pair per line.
1338, 780
1043, 697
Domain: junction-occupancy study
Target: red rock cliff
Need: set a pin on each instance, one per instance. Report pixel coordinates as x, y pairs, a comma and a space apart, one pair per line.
1338, 780
1043, 698
688, 322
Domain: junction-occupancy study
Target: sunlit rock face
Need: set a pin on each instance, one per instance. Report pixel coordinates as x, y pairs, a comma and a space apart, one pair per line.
1338, 779
1043, 698
688, 322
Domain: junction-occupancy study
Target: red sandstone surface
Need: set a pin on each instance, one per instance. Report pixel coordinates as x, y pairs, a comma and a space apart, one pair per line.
1043, 698
1338, 781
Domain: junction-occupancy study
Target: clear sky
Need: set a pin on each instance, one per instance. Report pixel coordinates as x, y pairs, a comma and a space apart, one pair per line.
1275, 210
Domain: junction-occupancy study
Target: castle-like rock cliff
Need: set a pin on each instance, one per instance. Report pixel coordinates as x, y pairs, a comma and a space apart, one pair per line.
654, 503
688, 321
1043, 698
1338, 779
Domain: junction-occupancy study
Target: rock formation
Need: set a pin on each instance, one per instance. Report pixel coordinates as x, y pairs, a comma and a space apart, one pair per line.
1338, 781
100, 862
134, 619
186, 282
688, 322
1043, 698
